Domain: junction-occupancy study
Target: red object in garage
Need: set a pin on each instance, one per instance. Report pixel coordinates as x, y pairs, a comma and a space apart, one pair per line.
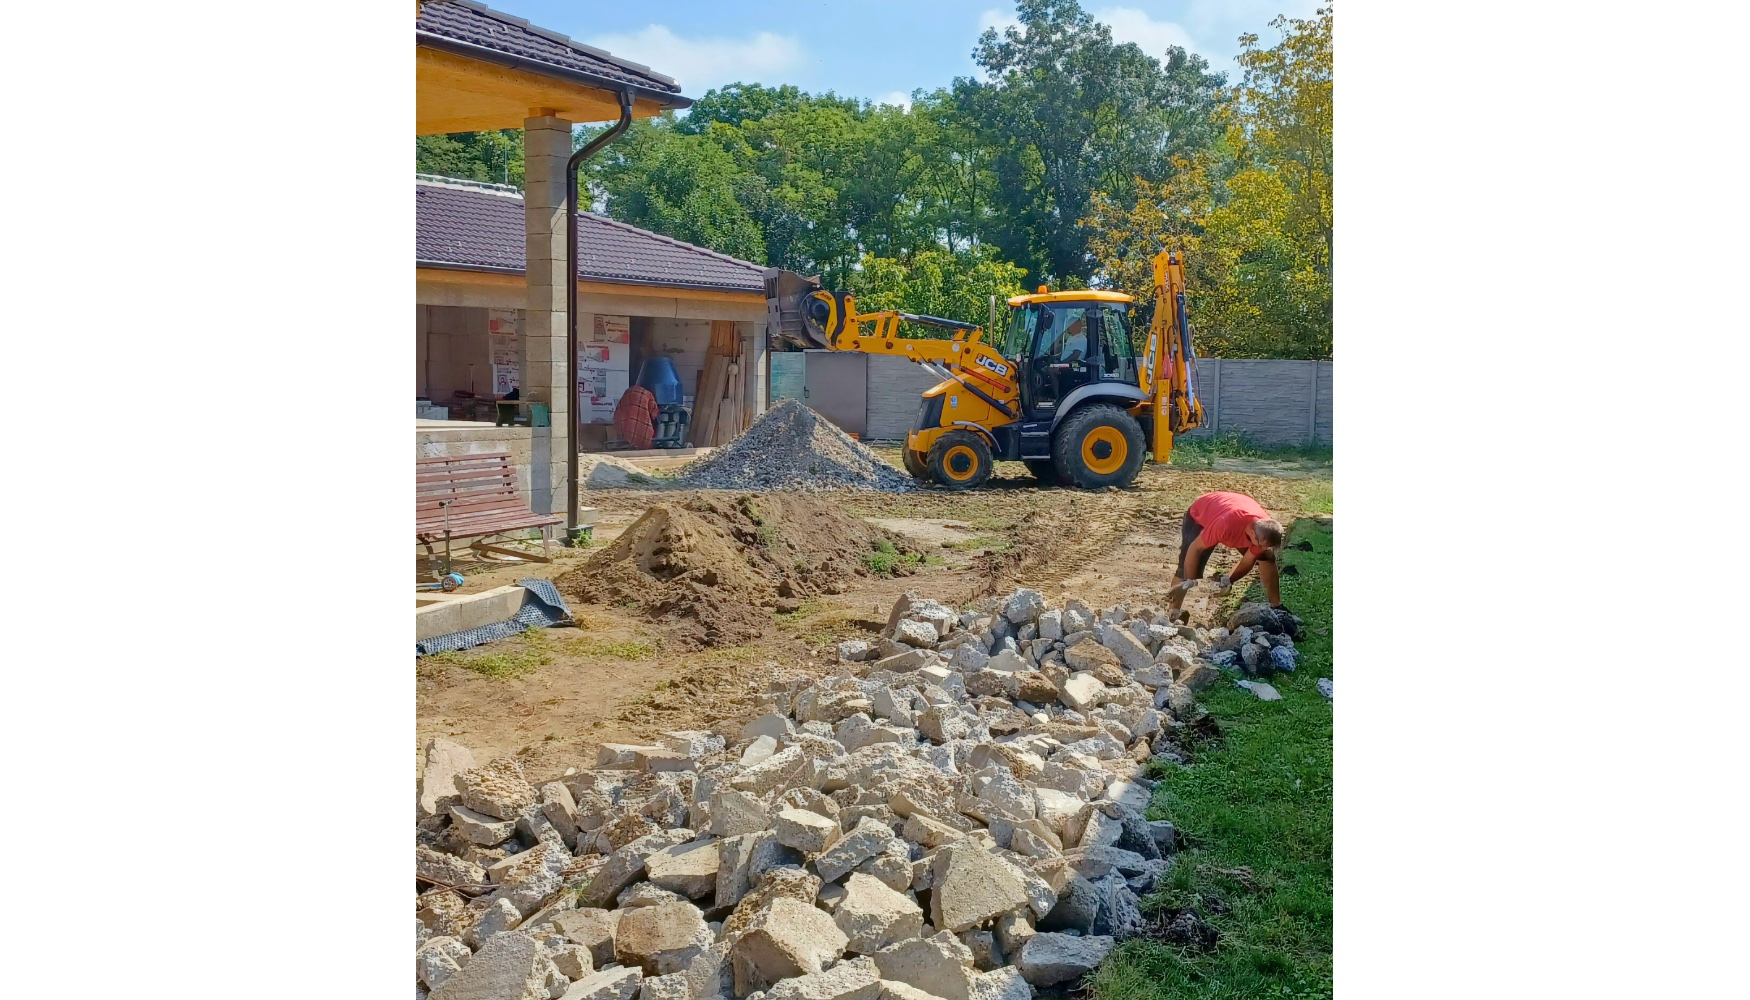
635, 417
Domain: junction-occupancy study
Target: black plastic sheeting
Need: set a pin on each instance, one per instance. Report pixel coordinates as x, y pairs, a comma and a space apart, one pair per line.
542, 606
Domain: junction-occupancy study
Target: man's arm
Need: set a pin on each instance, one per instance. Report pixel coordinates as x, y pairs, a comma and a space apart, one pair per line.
1243, 568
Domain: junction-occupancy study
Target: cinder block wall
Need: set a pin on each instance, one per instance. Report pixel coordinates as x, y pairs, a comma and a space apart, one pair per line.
1272, 402
895, 388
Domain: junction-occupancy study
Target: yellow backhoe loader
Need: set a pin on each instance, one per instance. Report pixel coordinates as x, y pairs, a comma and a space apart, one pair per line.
1063, 392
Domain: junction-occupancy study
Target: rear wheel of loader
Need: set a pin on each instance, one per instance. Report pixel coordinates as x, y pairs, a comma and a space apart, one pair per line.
960, 460
1043, 470
915, 465
1098, 445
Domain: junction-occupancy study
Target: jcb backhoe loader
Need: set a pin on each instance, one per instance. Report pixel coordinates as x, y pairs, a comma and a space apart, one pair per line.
1063, 392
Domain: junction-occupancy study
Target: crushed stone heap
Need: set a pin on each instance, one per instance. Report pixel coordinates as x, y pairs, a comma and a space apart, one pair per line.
956, 813
791, 447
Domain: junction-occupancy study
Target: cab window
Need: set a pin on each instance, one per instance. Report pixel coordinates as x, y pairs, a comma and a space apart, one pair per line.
1020, 333
1117, 358
1063, 334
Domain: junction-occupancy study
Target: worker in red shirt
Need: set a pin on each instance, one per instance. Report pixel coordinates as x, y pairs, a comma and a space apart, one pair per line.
1238, 522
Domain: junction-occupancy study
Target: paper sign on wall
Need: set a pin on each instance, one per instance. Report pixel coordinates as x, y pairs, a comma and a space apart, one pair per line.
504, 379
501, 329
612, 330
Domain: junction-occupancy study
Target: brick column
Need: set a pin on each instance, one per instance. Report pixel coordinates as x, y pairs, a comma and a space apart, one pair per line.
546, 371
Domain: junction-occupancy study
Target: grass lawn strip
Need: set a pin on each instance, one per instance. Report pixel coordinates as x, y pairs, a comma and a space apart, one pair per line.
1253, 805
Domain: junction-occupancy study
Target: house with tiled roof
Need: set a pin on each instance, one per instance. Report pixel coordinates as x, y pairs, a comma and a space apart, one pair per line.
495, 275
661, 296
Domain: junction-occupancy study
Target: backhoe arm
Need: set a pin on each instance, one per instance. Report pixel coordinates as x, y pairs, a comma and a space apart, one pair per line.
1170, 359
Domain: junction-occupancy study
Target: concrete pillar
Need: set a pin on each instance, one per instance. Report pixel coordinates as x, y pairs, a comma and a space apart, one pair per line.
546, 369
753, 342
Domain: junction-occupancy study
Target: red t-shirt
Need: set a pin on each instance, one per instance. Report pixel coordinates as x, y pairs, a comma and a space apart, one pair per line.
1224, 518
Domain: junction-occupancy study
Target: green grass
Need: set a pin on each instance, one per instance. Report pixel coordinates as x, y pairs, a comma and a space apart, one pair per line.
1202, 451
1254, 805
512, 656
885, 560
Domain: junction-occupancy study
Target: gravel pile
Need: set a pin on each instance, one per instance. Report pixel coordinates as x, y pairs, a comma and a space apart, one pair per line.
791, 447
956, 813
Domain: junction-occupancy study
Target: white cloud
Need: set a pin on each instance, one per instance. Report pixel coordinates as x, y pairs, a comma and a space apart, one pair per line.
999, 19
1131, 25
699, 64
897, 97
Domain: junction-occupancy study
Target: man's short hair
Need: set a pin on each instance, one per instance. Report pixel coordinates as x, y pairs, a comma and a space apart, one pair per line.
1268, 531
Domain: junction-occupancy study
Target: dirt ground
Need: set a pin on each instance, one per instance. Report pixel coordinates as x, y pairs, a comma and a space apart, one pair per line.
620, 677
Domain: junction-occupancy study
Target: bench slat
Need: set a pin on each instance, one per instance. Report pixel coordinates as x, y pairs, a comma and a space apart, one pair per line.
481, 494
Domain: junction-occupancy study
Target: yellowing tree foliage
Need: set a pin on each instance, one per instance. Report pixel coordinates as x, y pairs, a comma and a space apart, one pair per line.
1259, 237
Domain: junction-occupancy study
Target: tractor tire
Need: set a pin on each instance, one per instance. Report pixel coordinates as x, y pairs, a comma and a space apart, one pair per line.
960, 460
1043, 469
1098, 445
915, 465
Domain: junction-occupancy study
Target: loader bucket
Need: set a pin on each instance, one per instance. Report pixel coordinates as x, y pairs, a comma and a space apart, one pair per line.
785, 291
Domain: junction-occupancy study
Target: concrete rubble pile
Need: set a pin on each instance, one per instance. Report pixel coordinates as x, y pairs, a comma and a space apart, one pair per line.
955, 813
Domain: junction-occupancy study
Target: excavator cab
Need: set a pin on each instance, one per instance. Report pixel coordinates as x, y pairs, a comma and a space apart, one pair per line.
1063, 342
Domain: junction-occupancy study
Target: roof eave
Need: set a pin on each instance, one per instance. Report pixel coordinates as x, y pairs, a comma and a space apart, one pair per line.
446, 265
667, 101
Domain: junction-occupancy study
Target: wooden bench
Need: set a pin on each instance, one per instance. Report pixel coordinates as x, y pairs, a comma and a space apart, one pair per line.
475, 496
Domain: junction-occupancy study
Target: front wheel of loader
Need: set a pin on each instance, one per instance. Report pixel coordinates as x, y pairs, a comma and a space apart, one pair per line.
915, 465
1098, 445
960, 460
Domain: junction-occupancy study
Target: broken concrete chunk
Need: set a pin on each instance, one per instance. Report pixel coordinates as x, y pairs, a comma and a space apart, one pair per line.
845, 981
507, 967
788, 938
855, 651
687, 869
625, 865
670, 987
661, 940
497, 789
869, 838
1001, 984
873, 916
910, 660
1054, 959
449, 871
439, 959
938, 965
1021, 607
804, 830
479, 828
1132, 652
970, 886
1081, 691
592, 928
609, 984
445, 760
573, 961
917, 634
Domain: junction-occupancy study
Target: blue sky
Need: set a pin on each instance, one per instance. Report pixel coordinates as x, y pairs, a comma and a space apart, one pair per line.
878, 49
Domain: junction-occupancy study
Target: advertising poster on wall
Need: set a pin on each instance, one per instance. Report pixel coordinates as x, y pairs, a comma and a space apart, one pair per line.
501, 329
612, 330
602, 369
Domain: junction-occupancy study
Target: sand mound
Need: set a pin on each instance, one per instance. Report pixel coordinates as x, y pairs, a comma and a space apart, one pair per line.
716, 567
606, 472
791, 447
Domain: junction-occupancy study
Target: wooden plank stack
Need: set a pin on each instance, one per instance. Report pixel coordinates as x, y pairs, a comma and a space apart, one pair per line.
718, 414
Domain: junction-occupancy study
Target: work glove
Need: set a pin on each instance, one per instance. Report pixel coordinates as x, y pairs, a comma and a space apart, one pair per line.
1223, 584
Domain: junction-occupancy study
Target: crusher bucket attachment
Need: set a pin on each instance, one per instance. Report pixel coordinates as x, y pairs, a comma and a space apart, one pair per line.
785, 316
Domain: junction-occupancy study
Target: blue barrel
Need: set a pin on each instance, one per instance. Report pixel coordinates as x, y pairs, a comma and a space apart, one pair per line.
658, 375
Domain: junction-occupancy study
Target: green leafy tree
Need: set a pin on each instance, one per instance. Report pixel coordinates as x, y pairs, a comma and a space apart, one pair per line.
936, 282
496, 157
1067, 111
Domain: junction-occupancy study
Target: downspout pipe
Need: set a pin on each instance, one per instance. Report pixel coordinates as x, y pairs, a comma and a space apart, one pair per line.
574, 431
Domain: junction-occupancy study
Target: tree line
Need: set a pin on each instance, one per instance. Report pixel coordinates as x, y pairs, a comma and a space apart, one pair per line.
1070, 162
